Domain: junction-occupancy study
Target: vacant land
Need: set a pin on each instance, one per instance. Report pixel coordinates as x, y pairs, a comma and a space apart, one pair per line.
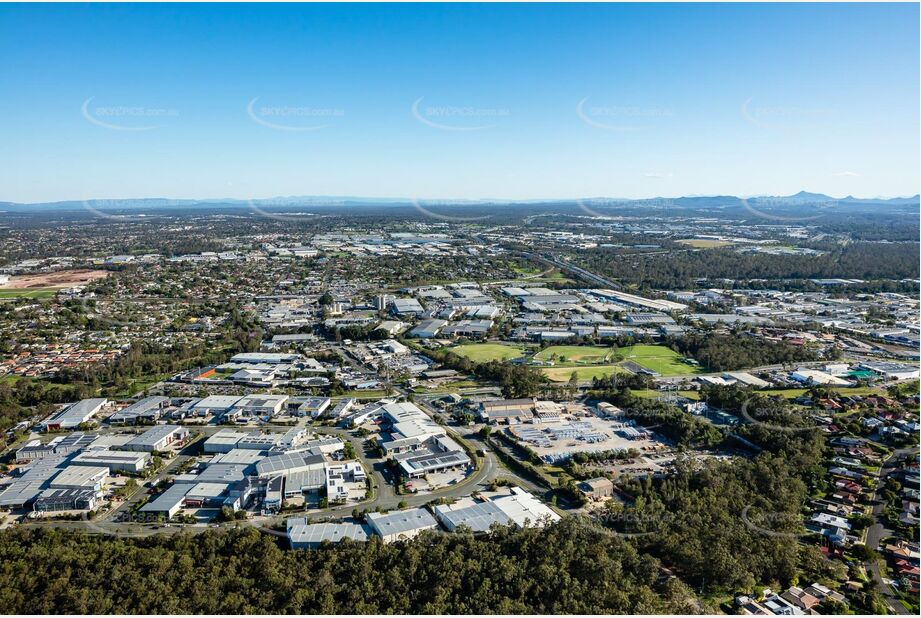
576, 353
658, 358
59, 279
704, 243
485, 352
562, 374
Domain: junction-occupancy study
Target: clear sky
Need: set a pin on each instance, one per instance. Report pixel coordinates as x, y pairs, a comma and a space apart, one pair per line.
457, 101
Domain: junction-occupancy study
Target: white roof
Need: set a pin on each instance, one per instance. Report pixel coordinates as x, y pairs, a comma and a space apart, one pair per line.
524, 509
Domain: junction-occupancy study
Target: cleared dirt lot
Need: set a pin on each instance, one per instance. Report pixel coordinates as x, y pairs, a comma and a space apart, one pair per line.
59, 279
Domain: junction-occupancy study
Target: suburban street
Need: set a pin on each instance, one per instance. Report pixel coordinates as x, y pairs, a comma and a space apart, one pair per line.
878, 531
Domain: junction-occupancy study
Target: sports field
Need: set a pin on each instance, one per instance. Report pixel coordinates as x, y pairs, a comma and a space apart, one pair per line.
588, 354
485, 352
704, 243
28, 293
562, 374
658, 358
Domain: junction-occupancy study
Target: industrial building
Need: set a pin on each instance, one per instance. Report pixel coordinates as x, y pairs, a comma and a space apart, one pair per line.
115, 461
157, 438
400, 525
223, 441
524, 509
74, 415
146, 410
314, 407
477, 516
813, 376
29, 484
426, 329
80, 477
52, 500
302, 535
59, 446
259, 405
505, 410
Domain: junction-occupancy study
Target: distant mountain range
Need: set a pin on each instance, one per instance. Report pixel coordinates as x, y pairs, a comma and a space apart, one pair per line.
803, 198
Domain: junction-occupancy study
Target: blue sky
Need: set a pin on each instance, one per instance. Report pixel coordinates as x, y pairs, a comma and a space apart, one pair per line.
457, 101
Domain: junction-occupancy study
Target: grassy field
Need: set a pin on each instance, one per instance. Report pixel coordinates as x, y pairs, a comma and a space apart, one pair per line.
561, 374
576, 353
704, 243
658, 358
28, 293
485, 352
793, 393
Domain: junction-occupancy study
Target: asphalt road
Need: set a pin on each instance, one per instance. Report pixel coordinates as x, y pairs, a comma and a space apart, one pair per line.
878, 531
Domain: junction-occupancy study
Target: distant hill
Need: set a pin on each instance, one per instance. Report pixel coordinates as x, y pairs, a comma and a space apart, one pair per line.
803, 198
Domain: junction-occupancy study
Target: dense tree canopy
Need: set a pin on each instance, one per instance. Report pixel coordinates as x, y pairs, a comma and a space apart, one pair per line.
571, 567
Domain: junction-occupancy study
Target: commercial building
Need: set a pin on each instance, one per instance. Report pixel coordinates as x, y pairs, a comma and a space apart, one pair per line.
813, 376
746, 379
893, 371
29, 484
339, 476
224, 473
215, 405
52, 500
313, 407
259, 405
426, 329
305, 482
432, 455
255, 358
59, 446
148, 409
419, 444
407, 307
287, 463
223, 441
167, 504
400, 525
477, 516
524, 509
238, 456
499, 410
157, 438
302, 535
258, 441
74, 414
80, 477
115, 461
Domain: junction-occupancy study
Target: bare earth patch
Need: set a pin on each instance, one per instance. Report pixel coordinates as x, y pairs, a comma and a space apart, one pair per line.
59, 279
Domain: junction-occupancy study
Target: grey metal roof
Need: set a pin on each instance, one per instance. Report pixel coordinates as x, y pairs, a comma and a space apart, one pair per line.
280, 464
76, 413
166, 501
314, 534
400, 522
434, 461
306, 480
152, 436
478, 517
223, 473
241, 456
139, 408
30, 484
